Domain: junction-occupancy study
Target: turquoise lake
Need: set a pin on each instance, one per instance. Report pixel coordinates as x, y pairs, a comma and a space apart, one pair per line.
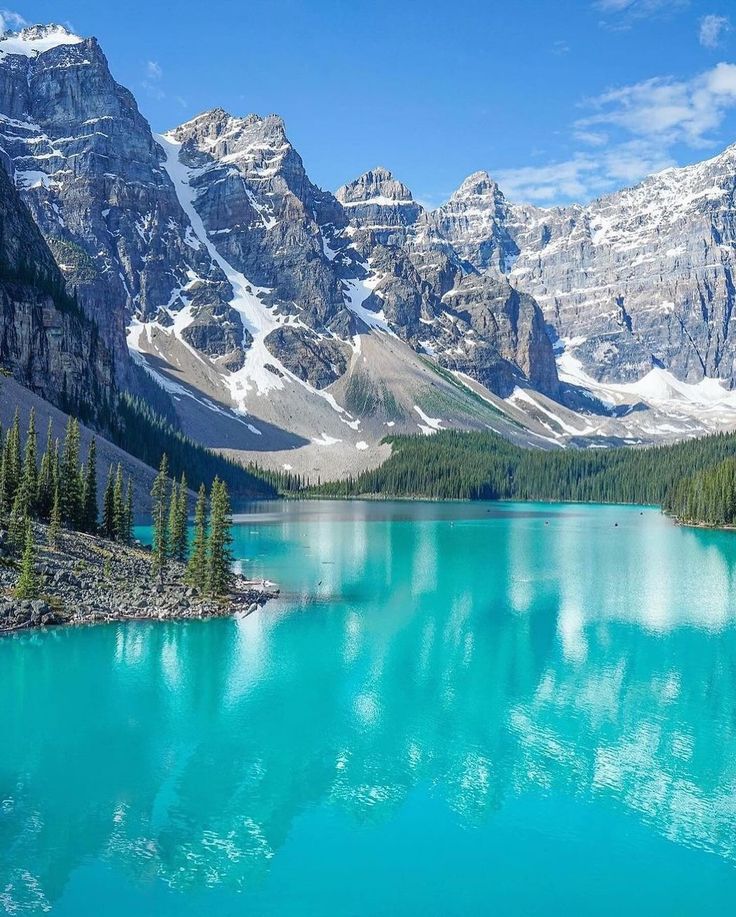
452, 709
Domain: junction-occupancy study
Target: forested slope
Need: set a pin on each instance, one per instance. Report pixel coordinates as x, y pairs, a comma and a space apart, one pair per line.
472, 466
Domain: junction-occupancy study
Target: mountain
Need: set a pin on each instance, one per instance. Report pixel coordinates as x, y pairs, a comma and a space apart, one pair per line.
87, 166
46, 342
644, 276
296, 327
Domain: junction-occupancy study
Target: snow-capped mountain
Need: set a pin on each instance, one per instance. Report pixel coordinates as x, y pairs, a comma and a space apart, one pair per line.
645, 276
379, 203
283, 319
86, 164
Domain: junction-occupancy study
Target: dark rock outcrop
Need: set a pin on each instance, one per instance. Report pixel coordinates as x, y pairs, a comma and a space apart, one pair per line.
314, 359
45, 340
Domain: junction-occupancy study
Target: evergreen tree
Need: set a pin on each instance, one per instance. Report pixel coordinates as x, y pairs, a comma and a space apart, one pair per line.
118, 504
108, 506
178, 510
55, 518
29, 584
196, 574
159, 496
11, 463
45, 491
3, 507
70, 481
89, 491
19, 517
129, 513
29, 473
173, 520
181, 544
219, 555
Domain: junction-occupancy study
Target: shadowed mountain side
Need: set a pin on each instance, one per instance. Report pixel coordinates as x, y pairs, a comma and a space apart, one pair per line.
13, 395
219, 428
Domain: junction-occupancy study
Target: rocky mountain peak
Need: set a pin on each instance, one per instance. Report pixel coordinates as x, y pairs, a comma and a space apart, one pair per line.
474, 222
478, 185
379, 203
376, 185
36, 39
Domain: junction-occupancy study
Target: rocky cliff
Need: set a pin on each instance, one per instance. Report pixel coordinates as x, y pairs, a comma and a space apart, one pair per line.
209, 256
86, 164
46, 342
644, 276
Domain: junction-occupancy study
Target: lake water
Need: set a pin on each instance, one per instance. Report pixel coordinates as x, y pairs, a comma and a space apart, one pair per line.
454, 709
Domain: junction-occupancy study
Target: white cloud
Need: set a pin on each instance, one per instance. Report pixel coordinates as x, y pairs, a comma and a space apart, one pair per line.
584, 175
152, 80
630, 132
560, 48
712, 29
638, 8
591, 138
668, 110
10, 20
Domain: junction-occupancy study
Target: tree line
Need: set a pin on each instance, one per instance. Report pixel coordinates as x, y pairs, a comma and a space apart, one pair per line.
461, 465
62, 491
209, 561
707, 497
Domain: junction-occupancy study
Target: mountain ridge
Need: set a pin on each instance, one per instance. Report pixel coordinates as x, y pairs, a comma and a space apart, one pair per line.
287, 323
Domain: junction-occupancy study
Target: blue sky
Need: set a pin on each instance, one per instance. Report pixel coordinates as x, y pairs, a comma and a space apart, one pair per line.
558, 100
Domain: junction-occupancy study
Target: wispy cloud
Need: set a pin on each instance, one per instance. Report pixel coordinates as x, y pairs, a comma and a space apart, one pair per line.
667, 110
560, 48
712, 30
10, 20
584, 175
621, 14
630, 132
153, 74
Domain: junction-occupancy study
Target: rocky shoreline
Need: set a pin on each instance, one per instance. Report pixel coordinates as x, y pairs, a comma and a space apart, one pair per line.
88, 580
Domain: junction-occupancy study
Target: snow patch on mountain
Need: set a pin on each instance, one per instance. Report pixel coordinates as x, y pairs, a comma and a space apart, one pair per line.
37, 39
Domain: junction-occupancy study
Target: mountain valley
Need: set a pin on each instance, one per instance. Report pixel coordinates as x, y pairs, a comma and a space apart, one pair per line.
296, 328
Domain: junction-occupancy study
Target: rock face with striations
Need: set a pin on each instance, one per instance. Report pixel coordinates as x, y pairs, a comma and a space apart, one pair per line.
473, 223
214, 234
380, 204
45, 340
86, 164
639, 279
264, 215
437, 280
645, 276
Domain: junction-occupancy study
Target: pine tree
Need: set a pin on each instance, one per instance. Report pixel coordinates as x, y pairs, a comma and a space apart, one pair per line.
89, 491
3, 507
159, 495
181, 544
219, 555
55, 518
108, 506
45, 490
118, 504
178, 511
11, 463
129, 513
29, 584
19, 516
197, 565
173, 520
71, 485
29, 473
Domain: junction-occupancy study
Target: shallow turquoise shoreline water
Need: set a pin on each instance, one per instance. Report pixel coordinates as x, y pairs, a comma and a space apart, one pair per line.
455, 708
